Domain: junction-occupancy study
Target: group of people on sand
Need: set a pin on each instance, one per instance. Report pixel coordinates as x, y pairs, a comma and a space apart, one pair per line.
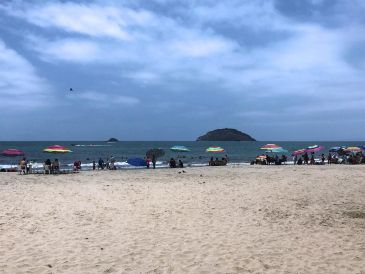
109, 164
172, 163
25, 167
51, 167
310, 159
217, 162
268, 160
152, 160
352, 159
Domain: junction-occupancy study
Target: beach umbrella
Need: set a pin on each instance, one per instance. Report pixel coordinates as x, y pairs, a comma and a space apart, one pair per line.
56, 149
314, 148
270, 146
353, 149
179, 149
335, 149
299, 152
277, 150
137, 162
12, 152
215, 149
157, 152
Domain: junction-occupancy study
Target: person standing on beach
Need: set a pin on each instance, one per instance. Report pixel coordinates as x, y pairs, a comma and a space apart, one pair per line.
306, 158
329, 158
313, 161
100, 164
94, 165
227, 159
154, 161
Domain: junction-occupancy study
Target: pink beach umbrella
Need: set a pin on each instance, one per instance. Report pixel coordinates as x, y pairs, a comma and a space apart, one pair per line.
299, 152
270, 146
12, 152
314, 148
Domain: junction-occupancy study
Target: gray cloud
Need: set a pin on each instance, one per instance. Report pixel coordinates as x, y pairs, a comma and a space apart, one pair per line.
245, 62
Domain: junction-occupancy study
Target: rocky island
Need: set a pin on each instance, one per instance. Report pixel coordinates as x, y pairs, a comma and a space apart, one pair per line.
113, 140
225, 134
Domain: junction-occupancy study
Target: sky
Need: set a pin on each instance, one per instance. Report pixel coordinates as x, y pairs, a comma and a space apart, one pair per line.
173, 70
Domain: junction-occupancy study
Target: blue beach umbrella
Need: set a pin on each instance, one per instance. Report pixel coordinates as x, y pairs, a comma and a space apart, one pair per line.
335, 149
136, 162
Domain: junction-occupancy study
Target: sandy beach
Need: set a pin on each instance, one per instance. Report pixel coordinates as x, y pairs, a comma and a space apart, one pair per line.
251, 219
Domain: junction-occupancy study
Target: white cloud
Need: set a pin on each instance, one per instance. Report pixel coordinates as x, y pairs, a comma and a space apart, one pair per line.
20, 86
91, 20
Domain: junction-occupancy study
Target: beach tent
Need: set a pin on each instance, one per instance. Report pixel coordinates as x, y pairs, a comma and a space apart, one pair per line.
56, 149
137, 162
215, 149
12, 152
179, 149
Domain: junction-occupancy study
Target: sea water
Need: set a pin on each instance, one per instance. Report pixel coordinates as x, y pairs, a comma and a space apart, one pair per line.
239, 153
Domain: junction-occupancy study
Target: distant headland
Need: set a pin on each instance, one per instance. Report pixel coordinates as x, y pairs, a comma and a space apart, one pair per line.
225, 134
113, 140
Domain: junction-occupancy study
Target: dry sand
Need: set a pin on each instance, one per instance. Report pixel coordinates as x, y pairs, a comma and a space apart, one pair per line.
207, 220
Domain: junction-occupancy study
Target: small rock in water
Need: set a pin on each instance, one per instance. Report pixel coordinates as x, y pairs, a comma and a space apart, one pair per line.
101, 248
49, 265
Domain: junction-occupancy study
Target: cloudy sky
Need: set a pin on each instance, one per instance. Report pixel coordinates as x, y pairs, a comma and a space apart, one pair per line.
172, 70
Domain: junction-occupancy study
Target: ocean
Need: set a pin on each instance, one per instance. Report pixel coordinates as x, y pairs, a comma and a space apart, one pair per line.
238, 152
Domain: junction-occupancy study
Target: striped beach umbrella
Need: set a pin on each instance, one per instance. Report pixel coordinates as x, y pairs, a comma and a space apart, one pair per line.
270, 147
215, 149
56, 149
353, 149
